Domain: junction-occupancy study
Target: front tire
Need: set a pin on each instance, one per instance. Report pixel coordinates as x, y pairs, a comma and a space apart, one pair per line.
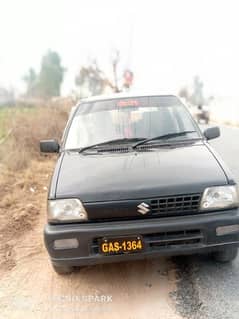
63, 270
226, 255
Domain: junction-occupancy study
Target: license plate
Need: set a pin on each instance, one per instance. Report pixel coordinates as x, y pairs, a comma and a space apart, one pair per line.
121, 245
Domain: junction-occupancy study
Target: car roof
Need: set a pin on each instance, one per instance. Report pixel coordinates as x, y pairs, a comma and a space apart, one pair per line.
123, 95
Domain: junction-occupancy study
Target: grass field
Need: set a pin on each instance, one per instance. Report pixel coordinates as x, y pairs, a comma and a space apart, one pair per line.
5, 113
8, 115
21, 129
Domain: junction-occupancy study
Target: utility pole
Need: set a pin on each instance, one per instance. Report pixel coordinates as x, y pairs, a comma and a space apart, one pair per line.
128, 74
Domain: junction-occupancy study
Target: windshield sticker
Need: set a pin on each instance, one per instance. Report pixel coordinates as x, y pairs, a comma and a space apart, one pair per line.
124, 103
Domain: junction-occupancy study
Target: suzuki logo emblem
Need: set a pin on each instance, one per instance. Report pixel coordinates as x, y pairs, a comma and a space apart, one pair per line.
143, 208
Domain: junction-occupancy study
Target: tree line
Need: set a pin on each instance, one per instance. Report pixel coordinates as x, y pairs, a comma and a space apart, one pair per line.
90, 80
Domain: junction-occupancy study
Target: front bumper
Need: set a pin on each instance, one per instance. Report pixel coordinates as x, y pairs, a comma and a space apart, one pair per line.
163, 236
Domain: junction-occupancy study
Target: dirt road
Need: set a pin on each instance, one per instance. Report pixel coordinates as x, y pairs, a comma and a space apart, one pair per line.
29, 288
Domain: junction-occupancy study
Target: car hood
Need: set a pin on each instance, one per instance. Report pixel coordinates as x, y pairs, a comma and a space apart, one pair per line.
144, 174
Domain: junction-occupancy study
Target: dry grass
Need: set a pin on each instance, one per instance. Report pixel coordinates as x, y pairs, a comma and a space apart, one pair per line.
24, 176
27, 129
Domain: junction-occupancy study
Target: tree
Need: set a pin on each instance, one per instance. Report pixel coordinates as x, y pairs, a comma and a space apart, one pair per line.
51, 75
31, 78
197, 97
91, 79
183, 92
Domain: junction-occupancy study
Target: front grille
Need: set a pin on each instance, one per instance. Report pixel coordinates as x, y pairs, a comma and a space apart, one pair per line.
159, 207
165, 240
175, 204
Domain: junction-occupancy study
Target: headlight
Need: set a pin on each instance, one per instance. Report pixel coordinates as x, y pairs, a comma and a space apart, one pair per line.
69, 210
220, 197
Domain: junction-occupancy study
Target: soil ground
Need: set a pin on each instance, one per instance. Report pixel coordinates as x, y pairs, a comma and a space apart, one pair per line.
29, 288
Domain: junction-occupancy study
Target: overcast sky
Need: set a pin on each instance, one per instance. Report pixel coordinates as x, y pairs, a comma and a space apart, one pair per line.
165, 43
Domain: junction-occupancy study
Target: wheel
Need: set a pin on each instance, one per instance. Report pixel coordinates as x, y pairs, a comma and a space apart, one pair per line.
226, 255
63, 270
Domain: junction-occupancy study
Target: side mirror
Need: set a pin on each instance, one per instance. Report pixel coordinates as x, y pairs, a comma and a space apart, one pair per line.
49, 146
212, 132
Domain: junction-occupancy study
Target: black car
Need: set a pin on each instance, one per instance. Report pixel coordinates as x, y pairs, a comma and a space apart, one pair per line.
136, 178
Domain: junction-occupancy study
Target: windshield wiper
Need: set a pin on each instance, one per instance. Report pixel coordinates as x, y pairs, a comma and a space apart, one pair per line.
119, 140
163, 137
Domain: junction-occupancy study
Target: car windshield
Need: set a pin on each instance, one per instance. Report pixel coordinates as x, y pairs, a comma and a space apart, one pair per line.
129, 119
